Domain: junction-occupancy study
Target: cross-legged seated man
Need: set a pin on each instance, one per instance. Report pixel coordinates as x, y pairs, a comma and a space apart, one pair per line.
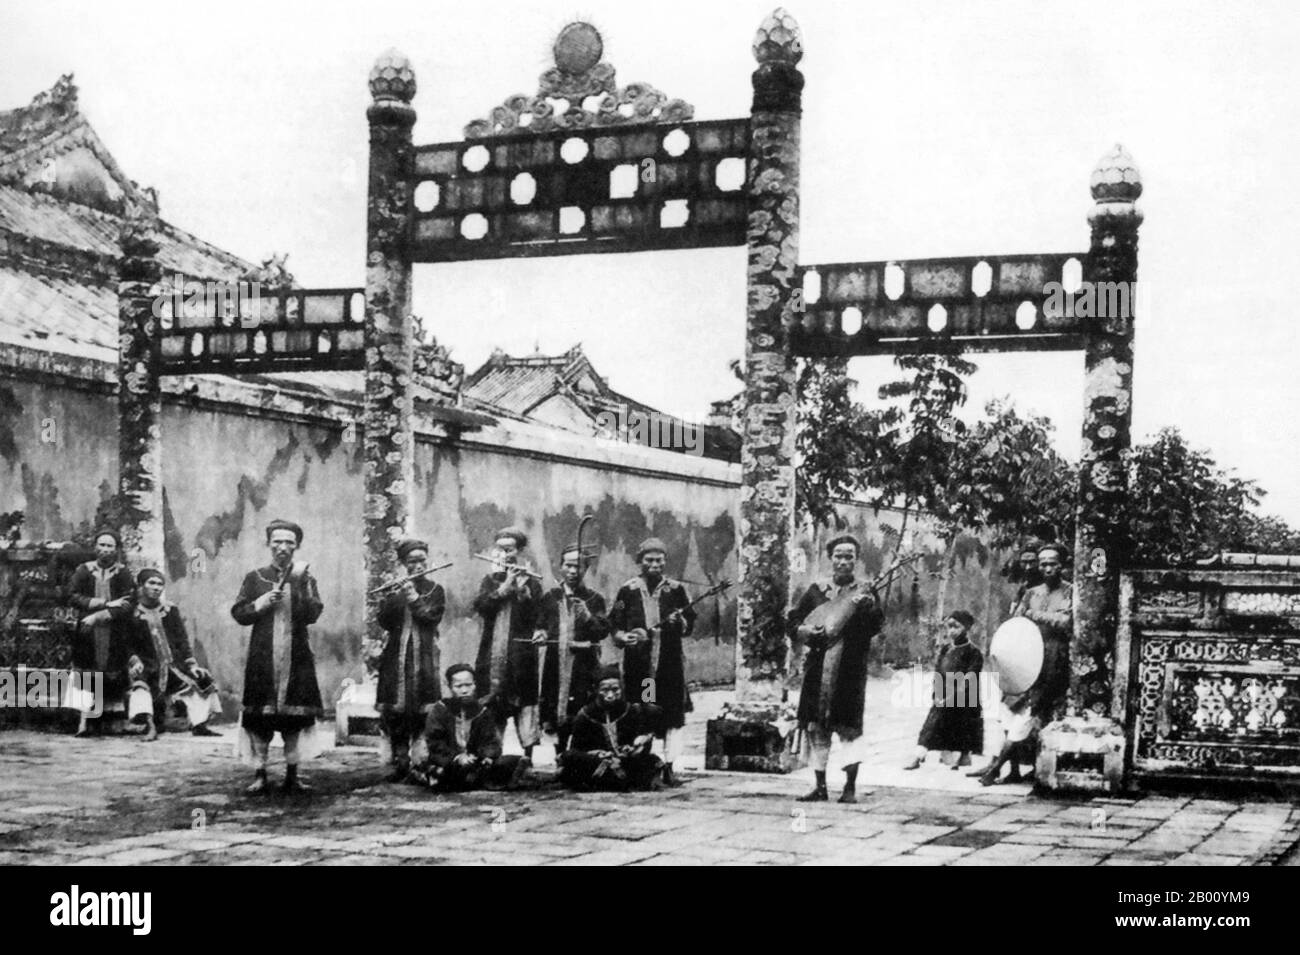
610, 745
464, 741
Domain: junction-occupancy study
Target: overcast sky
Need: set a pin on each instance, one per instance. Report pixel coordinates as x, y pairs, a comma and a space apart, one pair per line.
952, 128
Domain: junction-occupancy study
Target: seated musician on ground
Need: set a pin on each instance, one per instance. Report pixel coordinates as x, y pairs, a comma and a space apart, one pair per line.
610, 745
464, 742
955, 723
1051, 606
163, 662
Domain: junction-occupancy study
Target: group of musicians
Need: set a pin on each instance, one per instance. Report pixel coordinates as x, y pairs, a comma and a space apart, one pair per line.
538, 665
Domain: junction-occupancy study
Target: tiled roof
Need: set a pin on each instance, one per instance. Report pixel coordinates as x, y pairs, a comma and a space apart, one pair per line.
517, 386
62, 197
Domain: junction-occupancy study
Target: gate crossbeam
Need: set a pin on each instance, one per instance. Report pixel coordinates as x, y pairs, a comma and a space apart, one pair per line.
982, 303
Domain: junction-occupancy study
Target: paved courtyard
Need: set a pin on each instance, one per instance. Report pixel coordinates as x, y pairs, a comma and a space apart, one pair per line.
179, 801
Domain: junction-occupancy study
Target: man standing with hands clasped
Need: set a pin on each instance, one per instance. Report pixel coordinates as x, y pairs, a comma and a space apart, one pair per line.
281, 694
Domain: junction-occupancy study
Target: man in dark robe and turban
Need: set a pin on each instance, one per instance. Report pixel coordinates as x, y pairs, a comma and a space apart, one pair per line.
409, 674
281, 694
610, 746
509, 600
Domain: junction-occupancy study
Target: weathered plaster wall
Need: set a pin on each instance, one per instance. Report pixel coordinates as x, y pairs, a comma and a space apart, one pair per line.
229, 468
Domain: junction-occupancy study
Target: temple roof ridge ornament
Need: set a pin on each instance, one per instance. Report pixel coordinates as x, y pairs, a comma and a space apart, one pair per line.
580, 91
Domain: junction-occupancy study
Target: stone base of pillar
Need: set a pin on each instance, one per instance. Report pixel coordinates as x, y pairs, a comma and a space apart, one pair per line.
1081, 754
356, 721
754, 737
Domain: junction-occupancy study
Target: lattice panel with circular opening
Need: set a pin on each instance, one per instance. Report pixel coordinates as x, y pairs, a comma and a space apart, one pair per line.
985, 303
294, 330
606, 189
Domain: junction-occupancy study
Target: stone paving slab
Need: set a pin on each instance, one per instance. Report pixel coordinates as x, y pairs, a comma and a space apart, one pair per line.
180, 802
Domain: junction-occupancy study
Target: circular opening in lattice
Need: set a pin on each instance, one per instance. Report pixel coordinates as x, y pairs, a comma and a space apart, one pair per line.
427, 195
674, 214
676, 143
572, 219
574, 150
812, 287
522, 189
623, 181
851, 320
196, 345
1072, 276
626, 110
937, 318
729, 174
1026, 316
592, 103
475, 158
357, 307
981, 279
323, 343
474, 226
895, 281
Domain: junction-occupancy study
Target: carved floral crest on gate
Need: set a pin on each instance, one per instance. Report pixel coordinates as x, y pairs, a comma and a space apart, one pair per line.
580, 91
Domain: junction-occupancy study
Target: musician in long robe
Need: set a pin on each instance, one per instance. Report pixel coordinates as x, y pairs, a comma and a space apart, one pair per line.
1051, 606
464, 742
610, 746
102, 591
833, 697
509, 601
955, 723
409, 674
164, 661
281, 694
574, 623
651, 618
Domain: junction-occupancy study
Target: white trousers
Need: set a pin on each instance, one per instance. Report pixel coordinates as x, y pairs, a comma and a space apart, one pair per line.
819, 748
674, 744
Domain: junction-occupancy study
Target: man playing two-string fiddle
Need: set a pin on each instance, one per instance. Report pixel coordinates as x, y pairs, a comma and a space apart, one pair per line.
652, 616
573, 624
834, 691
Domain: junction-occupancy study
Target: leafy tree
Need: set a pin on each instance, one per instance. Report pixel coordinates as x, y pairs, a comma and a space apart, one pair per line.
1009, 478
1183, 505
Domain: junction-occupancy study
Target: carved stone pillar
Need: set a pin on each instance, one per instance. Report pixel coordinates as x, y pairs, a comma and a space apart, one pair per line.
768, 410
1101, 539
388, 442
1085, 750
139, 510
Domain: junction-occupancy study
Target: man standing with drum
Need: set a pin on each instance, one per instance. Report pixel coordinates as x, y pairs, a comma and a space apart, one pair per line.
1050, 605
836, 620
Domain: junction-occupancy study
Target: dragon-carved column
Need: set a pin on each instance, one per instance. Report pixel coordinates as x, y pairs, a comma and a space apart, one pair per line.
768, 412
388, 441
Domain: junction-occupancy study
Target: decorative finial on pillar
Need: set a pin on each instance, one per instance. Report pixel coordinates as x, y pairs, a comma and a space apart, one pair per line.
778, 39
778, 47
1116, 184
391, 78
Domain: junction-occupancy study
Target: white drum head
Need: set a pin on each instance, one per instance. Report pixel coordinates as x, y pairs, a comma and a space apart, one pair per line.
1016, 655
